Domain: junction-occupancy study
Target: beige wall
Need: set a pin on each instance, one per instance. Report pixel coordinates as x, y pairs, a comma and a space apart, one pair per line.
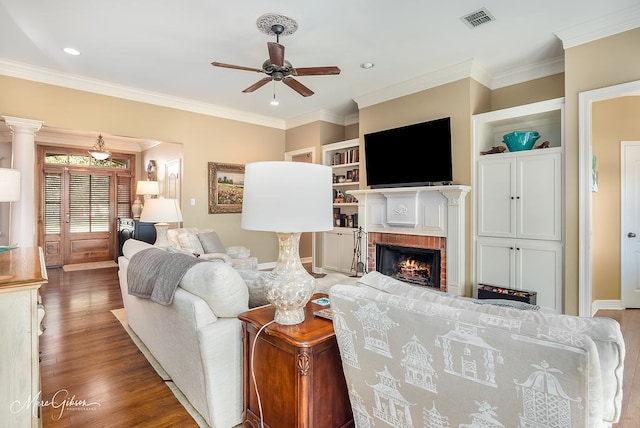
546, 88
203, 138
613, 121
602, 63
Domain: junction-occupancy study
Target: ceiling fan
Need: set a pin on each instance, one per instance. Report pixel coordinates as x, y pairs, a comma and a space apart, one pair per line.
278, 69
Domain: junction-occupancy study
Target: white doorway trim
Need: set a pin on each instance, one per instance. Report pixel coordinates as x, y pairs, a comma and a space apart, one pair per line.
288, 156
585, 154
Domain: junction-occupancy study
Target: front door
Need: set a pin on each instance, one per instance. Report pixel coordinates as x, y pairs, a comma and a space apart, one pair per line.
78, 217
81, 201
630, 224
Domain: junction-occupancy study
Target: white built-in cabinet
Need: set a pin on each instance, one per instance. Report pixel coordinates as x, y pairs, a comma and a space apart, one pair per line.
338, 245
519, 239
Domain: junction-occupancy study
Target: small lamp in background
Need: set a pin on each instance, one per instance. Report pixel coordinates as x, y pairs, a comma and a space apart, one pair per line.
161, 212
9, 192
146, 189
288, 198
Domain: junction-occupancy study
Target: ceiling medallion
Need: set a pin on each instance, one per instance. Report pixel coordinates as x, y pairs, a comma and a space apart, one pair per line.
266, 22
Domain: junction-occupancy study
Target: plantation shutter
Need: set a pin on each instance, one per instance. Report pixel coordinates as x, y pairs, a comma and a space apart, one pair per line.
123, 196
88, 203
52, 203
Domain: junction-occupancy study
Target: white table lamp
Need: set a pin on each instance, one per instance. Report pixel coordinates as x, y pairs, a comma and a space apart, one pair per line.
9, 192
161, 212
147, 189
288, 198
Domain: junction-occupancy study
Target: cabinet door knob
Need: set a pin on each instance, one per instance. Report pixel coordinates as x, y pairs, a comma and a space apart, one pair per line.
631, 235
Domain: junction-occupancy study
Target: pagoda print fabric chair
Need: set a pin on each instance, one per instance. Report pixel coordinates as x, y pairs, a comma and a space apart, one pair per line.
413, 357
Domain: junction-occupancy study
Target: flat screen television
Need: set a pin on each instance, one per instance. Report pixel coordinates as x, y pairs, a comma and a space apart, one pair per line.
413, 155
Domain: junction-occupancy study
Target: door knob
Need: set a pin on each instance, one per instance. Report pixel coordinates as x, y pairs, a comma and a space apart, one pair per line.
631, 235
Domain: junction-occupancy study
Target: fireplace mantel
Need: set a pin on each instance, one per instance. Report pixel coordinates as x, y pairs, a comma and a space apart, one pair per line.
423, 211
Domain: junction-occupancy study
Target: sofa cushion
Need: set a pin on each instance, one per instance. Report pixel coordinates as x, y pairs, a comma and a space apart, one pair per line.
211, 242
220, 286
190, 242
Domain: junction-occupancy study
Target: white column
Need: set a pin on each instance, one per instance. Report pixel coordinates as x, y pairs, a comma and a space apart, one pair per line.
23, 149
455, 238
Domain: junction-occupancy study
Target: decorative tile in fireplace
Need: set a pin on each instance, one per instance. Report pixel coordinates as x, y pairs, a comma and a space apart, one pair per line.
420, 266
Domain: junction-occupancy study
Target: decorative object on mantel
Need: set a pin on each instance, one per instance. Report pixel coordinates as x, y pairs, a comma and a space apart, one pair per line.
226, 187
544, 145
288, 198
9, 192
161, 212
494, 149
100, 151
520, 140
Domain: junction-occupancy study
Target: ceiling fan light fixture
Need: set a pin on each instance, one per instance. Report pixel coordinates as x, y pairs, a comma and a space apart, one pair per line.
367, 65
71, 51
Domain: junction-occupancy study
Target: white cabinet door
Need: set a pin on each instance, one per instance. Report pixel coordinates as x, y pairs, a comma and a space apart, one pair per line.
539, 197
539, 268
495, 262
337, 250
496, 193
530, 265
520, 197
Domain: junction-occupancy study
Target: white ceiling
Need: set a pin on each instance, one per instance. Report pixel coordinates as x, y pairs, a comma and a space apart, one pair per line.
160, 50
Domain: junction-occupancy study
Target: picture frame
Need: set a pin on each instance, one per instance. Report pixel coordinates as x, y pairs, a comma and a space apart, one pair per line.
226, 187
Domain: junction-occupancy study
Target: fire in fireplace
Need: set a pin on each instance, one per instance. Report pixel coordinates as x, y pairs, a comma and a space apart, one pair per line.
420, 266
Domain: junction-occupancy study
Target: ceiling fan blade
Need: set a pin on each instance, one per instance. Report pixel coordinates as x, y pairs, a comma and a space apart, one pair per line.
276, 53
317, 71
236, 67
297, 86
259, 84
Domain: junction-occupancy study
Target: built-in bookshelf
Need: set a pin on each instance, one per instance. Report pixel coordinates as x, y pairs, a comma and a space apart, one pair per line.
337, 245
344, 159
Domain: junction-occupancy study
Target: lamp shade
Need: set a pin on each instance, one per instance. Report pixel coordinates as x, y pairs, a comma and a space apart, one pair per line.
147, 188
161, 211
287, 197
9, 185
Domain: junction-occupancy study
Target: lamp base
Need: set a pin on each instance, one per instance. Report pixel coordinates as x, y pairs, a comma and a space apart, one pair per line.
289, 286
136, 209
161, 235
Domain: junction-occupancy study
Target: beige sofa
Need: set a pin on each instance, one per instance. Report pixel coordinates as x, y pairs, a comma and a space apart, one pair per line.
197, 337
413, 357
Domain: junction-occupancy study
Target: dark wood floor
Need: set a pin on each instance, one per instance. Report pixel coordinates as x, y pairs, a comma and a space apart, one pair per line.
87, 356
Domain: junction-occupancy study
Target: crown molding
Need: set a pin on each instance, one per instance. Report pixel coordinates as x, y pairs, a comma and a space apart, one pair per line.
67, 80
470, 68
321, 115
614, 23
528, 72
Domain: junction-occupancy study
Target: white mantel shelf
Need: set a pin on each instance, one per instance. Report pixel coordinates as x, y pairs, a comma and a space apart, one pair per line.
426, 211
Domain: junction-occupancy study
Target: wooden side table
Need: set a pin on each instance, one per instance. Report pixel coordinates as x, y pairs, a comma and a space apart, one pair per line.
297, 370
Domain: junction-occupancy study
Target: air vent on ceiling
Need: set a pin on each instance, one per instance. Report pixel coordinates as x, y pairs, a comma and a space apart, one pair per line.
477, 18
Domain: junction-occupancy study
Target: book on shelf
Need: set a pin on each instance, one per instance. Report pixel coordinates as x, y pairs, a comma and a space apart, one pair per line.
346, 156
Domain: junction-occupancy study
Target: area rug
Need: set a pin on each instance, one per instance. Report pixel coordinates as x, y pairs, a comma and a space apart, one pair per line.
121, 315
89, 266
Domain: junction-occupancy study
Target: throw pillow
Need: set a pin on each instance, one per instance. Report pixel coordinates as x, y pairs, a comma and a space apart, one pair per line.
220, 286
211, 242
190, 242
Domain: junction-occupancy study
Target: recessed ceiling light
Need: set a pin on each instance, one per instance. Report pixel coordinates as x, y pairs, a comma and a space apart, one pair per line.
71, 51
367, 65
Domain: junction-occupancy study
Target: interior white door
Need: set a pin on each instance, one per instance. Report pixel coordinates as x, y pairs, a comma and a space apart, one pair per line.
630, 224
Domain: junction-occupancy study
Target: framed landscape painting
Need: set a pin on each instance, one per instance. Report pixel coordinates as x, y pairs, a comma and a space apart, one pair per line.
226, 185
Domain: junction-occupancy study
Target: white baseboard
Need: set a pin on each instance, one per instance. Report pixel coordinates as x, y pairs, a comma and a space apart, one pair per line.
605, 305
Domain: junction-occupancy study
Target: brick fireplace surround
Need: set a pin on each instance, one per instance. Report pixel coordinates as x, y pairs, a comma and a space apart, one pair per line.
419, 217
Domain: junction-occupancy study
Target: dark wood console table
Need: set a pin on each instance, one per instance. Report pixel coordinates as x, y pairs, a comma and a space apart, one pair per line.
298, 372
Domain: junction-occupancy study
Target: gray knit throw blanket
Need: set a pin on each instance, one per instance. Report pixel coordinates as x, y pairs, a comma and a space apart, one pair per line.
155, 274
